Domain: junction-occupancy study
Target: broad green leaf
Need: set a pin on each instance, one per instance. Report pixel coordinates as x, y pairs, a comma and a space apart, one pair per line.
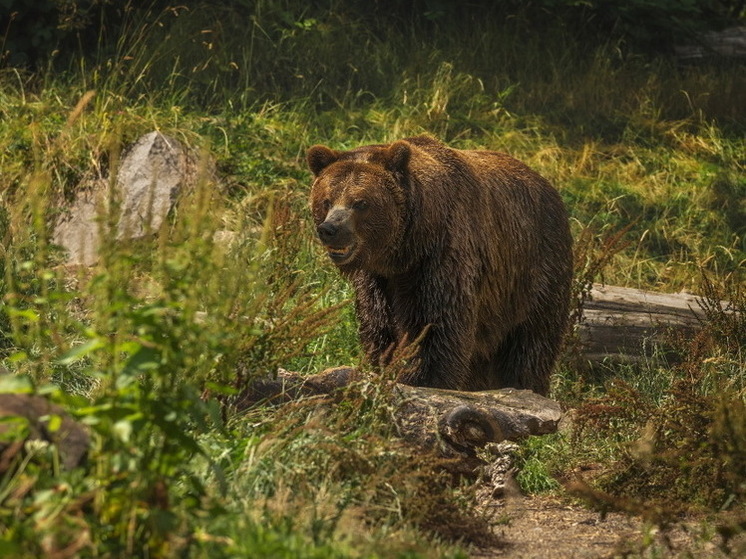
47, 389
28, 314
144, 359
18, 356
78, 352
223, 389
16, 384
54, 422
123, 429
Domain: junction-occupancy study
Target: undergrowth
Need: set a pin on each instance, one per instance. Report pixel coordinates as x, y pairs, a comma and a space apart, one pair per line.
148, 346
689, 443
665, 443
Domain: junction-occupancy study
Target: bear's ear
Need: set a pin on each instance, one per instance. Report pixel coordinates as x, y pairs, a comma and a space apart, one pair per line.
397, 157
320, 157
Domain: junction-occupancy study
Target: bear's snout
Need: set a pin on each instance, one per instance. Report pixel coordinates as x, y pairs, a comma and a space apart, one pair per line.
335, 234
335, 230
327, 232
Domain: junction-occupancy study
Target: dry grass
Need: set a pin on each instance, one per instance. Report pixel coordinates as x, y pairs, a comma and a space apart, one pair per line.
650, 164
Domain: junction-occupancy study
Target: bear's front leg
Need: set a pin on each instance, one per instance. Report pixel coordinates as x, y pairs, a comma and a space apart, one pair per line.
442, 360
376, 327
445, 314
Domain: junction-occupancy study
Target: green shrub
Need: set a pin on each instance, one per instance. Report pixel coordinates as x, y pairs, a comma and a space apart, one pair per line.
684, 450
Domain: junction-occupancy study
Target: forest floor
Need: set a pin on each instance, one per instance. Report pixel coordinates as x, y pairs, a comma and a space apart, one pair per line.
545, 527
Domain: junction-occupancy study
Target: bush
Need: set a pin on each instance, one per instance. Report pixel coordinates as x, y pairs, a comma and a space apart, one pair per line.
686, 451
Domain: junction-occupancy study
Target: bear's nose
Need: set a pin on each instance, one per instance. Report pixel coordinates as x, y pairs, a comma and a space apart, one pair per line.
327, 231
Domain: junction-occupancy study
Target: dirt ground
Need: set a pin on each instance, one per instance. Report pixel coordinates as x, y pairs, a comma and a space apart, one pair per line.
550, 528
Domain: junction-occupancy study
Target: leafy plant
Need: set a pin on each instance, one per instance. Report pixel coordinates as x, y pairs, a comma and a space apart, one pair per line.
149, 347
153, 331
684, 451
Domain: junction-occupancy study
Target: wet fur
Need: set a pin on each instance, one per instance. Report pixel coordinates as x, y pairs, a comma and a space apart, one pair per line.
473, 244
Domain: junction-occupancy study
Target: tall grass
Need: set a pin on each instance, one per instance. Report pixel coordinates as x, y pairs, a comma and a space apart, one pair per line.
139, 338
148, 346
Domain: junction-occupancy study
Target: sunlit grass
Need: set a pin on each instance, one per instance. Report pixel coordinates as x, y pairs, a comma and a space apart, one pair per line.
142, 342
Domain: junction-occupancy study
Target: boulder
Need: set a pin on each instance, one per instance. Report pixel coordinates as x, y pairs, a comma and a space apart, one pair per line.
154, 171
150, 177
77, 228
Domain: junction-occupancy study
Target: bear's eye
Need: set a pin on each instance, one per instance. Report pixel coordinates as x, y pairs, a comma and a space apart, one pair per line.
360, 205
326, 204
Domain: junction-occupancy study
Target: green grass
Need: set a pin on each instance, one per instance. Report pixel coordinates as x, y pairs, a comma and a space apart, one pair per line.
147, 346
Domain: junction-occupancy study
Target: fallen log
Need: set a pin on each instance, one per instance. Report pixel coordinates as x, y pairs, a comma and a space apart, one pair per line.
625, 325
453, 424
458, 424
619, 325
728, 43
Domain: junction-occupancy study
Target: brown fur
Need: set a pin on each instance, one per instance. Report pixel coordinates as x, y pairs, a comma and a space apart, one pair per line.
473, 245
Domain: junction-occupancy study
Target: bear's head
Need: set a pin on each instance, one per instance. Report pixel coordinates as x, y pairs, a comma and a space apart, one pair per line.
358, 201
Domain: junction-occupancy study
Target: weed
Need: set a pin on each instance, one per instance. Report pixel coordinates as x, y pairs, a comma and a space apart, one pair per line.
146, 347
684, 450
533, 462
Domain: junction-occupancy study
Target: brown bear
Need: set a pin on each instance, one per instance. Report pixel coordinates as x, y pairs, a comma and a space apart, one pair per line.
468, 251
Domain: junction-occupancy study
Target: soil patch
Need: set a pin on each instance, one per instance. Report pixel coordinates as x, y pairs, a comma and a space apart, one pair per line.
552, 528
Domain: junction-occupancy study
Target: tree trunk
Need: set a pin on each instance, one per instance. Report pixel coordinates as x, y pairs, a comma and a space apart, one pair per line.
627, 325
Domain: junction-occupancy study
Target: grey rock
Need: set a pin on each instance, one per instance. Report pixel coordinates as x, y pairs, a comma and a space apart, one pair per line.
150, 178
77, 229
154, 171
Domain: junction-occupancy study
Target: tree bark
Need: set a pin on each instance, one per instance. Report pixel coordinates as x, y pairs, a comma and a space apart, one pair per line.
627, 325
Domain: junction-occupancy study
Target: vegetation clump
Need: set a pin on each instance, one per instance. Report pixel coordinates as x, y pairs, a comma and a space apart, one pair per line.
148, 347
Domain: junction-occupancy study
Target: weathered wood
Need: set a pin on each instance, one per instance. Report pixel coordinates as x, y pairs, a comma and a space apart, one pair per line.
621, 324
728, 43
457, 424
453, 424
